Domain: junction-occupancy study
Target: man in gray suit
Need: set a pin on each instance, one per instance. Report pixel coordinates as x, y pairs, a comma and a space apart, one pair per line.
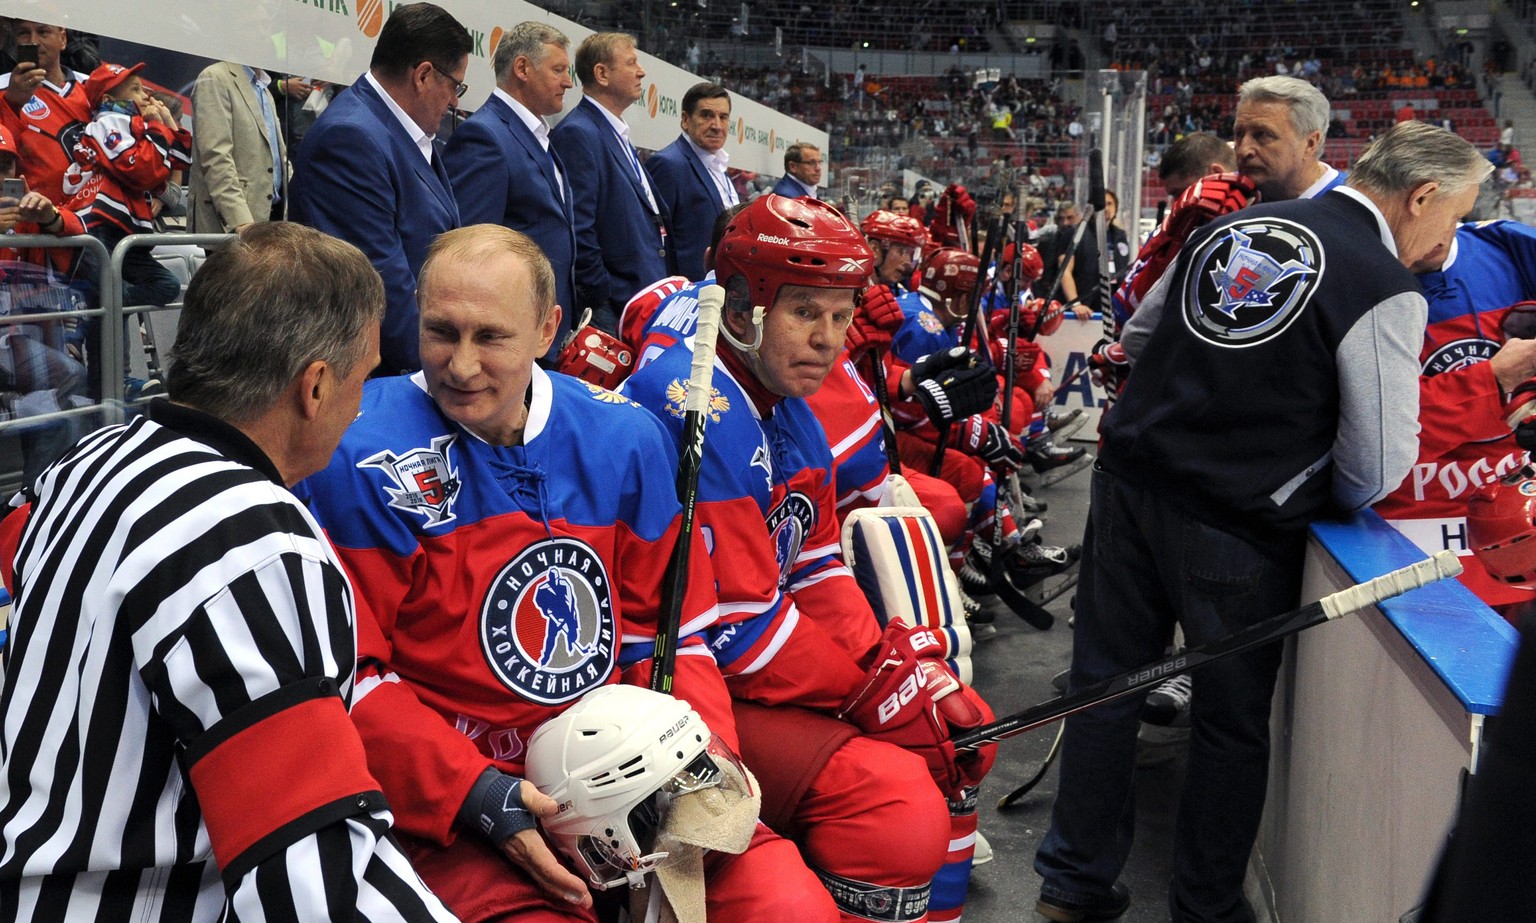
500, 163
239, 160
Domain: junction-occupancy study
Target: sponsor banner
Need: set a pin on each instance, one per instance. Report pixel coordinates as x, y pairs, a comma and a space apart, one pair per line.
1069, 348
333, 40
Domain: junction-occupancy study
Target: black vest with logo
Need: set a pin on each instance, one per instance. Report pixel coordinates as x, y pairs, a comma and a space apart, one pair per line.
1233, 405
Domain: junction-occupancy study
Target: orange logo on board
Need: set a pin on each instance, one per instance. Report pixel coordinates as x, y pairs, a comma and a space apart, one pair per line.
370, 17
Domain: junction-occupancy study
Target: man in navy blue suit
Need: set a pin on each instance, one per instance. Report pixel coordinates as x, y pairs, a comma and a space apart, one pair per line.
500, 161
802, 172
621, 228
370, 170
690, 174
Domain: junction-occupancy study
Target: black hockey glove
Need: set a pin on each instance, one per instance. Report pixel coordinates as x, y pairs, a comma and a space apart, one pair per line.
955, 393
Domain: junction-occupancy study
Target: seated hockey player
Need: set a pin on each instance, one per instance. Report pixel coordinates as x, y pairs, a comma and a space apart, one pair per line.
796, 632
507, 528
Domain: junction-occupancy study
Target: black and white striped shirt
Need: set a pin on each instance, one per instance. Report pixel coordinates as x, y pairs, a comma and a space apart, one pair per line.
172, 595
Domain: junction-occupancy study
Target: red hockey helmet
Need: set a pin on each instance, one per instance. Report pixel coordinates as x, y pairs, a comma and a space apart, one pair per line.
7, 142
892, 228
1501, 528
949, 273
777, 241
1033, 265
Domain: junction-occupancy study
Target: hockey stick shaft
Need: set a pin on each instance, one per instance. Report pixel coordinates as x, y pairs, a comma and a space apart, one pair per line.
1394, 583
883, 401
988, 249
691, 461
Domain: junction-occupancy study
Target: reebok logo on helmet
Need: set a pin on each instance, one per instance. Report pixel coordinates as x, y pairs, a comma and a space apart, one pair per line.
771, 239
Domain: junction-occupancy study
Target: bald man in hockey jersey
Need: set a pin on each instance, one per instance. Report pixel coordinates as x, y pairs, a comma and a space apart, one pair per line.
508, 529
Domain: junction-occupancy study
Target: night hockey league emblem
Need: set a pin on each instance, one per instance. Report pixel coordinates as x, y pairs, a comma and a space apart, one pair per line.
425, 480
1458, 354
547, 626
1249, 282
677, 395
789, 523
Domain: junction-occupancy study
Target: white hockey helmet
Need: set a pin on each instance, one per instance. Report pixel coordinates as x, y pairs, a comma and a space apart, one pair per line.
613, 762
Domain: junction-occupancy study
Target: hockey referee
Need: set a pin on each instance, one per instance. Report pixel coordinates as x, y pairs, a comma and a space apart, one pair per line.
174, 737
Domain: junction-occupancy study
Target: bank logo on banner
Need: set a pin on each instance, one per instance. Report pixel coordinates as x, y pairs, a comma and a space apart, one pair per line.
370, 17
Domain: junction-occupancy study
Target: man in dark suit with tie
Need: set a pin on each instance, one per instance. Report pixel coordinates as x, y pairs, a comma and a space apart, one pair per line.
500, 162
621, 229
370, 170
802, 172
690, 174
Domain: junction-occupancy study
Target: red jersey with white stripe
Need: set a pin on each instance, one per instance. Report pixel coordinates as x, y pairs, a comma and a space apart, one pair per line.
120, 164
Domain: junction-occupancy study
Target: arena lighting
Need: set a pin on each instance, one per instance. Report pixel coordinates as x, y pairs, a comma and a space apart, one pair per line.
866, 44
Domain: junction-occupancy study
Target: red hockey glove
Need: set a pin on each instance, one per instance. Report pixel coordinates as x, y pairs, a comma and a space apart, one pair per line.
958, 199
1210, 197
595, 355
1048, 316
899, 701
875, 322
1026, 354
989, 442
1519, 321
1520, 412
1108, 365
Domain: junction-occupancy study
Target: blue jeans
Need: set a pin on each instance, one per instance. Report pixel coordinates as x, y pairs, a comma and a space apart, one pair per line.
1146, 565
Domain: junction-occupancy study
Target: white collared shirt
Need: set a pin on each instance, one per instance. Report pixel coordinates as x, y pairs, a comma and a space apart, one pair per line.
621, 128
537, 125
421, 139
715, 163
810, 191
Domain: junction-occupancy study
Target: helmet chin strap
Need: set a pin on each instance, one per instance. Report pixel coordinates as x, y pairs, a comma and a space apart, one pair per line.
750, 349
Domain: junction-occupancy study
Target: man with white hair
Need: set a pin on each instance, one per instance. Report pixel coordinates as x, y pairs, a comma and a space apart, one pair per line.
1278, 133
1276, 381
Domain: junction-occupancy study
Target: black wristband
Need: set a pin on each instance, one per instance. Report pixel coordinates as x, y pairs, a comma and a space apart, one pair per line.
494, 807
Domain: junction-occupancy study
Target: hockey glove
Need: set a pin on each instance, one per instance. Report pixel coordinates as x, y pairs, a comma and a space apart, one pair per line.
1026, 353
595, 355
1210, 197
1520, 412
955, 393
874, 323
989, 442
1108, 365
910, 699
1045, 318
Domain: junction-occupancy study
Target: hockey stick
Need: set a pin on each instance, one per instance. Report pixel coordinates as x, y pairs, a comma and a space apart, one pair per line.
883, 401
1443, 564
695, 409
987, 251
1050, 758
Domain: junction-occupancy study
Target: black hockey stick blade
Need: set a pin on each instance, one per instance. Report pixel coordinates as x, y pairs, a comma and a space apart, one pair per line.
1394, 583
1008, 800
1022, 606
695, 409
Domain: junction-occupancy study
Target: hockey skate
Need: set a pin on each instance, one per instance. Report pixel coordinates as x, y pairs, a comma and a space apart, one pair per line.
1052, 463
1063, 423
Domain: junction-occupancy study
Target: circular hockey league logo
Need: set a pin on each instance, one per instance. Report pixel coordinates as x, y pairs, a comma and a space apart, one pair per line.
1249, 281
1458, 354
547, 625
789, 523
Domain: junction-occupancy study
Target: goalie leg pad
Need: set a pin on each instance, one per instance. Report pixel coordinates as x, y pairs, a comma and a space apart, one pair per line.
900, 562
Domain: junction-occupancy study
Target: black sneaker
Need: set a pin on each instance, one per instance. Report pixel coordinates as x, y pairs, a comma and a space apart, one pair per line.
1108, 907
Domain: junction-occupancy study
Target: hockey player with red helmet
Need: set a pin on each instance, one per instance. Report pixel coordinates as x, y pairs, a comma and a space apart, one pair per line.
897, 242
797, 642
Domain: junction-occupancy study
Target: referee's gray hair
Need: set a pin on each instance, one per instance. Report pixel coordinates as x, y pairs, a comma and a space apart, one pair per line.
261, 309
1309, 107
525, 40
1411, 154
